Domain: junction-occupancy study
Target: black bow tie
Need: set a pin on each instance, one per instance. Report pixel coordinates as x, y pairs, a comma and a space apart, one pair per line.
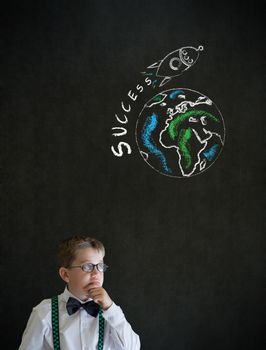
73, 305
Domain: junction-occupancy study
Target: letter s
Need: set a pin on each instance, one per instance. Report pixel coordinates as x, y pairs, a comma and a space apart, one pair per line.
120, 153
139, 88
148, 81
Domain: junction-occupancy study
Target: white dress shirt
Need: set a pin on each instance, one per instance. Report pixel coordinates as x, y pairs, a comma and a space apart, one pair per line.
78, 331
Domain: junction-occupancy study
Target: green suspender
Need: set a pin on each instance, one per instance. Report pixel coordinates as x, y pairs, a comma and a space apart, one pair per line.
101, 330
55, 322
55, 325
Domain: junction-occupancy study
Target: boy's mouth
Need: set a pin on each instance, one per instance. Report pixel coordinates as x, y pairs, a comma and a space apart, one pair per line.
94, 284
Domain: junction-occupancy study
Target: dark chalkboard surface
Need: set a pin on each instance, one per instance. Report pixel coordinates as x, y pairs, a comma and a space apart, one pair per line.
185, 253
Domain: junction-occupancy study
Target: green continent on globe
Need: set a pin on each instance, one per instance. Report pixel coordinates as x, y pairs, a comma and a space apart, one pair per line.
173, 126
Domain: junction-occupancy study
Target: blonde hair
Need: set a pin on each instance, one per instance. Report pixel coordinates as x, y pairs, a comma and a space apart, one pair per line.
68, 248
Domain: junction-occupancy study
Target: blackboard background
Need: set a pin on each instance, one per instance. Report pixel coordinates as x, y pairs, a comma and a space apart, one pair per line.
185, 254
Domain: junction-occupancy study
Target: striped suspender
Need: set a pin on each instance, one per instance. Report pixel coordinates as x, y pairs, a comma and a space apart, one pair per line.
55, 325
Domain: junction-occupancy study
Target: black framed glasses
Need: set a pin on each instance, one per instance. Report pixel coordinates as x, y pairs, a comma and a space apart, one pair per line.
89, 267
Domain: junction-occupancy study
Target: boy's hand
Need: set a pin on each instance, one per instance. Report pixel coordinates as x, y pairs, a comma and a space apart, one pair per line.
101, 297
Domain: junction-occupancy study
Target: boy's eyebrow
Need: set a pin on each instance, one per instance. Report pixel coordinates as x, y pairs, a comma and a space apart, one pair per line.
84, 261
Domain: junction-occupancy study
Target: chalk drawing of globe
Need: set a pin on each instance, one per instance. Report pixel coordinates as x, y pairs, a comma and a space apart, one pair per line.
180, 132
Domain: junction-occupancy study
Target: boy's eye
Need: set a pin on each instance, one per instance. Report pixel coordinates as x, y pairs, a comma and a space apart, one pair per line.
88, 267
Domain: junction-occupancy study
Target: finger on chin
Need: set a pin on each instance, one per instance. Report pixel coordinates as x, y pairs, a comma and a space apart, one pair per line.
92, 286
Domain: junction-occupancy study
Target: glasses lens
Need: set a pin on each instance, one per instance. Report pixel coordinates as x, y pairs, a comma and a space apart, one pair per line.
87, 267
102, 267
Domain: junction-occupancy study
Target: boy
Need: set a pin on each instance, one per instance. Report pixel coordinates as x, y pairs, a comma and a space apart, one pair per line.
87, 317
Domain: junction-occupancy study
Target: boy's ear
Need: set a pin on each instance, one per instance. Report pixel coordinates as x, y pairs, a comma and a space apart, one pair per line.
63, 272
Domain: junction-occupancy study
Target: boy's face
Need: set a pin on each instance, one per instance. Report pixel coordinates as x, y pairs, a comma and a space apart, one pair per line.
80, 282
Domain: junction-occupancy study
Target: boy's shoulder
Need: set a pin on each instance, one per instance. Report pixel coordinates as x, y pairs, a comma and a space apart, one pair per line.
43, 304
43, 309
